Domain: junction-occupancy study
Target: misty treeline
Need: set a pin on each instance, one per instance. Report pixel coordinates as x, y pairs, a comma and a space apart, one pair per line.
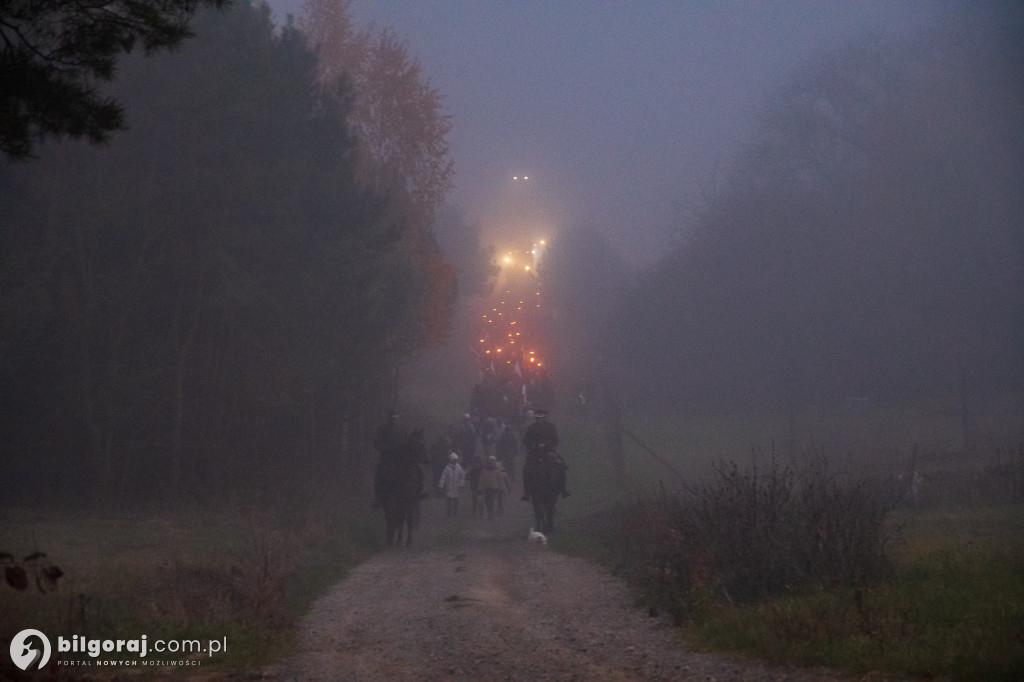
222, 298
867, 243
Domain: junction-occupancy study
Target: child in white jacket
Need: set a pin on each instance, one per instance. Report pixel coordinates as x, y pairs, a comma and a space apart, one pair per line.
452, 479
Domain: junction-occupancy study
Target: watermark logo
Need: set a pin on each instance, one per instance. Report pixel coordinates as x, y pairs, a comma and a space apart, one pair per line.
30, 649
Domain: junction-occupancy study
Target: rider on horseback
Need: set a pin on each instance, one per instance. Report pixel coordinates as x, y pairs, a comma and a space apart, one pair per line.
540, 440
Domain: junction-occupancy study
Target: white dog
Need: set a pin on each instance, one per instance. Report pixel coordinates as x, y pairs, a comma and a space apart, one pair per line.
535, 536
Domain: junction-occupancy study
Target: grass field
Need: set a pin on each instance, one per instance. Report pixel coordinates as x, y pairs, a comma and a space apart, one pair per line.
954, 605
242, 575
246, 572
953, 609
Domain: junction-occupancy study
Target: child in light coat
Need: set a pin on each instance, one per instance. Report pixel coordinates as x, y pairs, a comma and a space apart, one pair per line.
452, 479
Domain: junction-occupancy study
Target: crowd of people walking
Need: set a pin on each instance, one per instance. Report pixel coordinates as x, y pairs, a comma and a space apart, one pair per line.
478, 455
476, 458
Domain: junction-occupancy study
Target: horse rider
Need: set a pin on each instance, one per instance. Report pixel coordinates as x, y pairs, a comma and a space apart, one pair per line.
388, 440
540, 440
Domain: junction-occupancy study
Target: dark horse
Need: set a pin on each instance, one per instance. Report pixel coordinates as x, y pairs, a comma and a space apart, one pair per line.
544, 475
402, 488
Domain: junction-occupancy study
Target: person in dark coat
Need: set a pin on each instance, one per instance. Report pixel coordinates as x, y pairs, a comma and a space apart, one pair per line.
439, 452
540, 440
388, 440
506, 449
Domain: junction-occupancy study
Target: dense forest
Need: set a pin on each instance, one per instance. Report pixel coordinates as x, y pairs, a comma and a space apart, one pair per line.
222, 297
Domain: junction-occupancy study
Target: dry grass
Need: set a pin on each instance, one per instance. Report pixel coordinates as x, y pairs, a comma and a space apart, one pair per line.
244, 573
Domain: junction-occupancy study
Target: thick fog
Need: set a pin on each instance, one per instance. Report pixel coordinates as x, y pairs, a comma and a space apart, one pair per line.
818, 207
736, 287
624, 115
859, 248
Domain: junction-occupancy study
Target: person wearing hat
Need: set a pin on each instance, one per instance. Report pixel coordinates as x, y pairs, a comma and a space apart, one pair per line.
541, 433
540, 440
452, 479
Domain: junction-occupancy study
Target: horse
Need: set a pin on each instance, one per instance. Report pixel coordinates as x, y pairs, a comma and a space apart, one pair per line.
544, 479
402, 488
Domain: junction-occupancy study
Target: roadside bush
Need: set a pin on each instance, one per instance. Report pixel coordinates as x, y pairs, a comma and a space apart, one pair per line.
751, 533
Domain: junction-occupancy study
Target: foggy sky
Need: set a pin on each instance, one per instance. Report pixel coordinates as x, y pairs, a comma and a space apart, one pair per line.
621, 113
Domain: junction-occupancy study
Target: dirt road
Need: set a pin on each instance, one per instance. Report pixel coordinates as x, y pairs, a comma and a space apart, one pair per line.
472, 600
